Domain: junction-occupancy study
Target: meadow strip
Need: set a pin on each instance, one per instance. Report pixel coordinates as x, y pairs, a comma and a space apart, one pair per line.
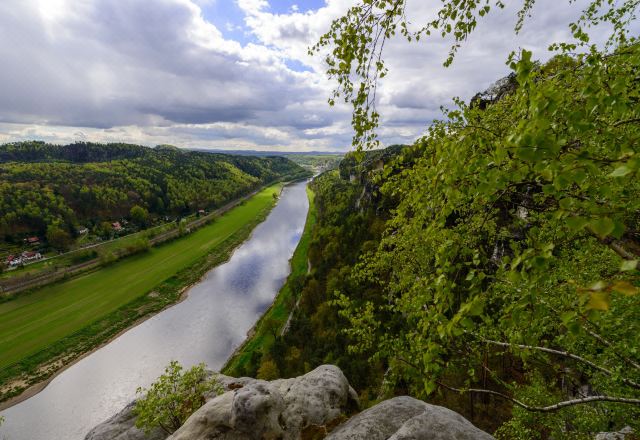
44, 330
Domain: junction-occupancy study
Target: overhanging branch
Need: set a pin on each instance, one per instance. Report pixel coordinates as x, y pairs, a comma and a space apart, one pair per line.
550, 408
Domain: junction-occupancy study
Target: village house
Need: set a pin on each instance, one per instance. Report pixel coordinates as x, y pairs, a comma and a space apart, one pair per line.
82, 230
14, 261
28, 256
32, 240
25, 257
116, 226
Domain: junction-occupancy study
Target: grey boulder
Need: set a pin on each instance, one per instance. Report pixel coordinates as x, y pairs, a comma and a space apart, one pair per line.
122, 427
281, 409
623, 434
406, 418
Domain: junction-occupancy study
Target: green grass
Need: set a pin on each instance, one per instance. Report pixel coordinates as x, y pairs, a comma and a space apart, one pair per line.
282, 305
67, 259
34, 321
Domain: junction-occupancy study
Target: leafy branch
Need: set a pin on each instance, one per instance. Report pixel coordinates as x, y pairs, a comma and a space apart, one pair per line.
549, 408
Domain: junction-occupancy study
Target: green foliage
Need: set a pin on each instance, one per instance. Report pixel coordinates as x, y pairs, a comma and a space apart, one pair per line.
58, 238
268, 370
139, 215
176, 395
528, 243
83, 255
335, 236
510, 262
91, 184
137, 246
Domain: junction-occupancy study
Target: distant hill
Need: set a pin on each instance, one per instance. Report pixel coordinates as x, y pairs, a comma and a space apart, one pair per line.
86, 184
270, 153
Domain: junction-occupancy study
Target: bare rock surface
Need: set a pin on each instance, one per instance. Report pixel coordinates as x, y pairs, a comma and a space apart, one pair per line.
623, 434
308, 406
122, 427
406, 418
280, 409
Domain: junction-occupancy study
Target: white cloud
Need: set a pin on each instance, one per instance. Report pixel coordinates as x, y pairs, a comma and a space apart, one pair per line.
160, 72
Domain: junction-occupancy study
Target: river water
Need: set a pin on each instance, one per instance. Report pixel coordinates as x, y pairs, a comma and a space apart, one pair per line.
206, 327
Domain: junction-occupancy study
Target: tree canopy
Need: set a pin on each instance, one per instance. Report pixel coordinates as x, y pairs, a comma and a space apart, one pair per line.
86, 184
509, 264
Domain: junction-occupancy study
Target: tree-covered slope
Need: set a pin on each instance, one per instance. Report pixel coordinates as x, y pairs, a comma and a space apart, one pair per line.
493, 265
85, 184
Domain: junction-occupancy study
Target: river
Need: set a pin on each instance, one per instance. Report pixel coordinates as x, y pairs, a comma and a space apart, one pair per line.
205, 327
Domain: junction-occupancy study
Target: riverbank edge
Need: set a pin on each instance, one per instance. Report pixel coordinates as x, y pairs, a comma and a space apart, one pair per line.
167, 293
282, 306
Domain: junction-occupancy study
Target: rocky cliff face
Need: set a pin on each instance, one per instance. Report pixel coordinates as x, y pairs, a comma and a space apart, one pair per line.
307, 407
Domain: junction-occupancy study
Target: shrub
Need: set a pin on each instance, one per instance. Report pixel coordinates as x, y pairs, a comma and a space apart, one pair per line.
82, 256
176, 395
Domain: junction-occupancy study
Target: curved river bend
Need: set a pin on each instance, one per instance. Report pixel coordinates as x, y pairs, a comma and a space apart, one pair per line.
206, 327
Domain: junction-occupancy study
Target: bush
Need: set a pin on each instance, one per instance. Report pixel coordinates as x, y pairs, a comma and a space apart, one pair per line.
176, 395
138, 246
107, 257
82, 256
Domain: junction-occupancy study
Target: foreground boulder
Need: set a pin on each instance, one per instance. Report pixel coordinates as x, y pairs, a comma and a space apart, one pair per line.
281, 409
305, 407
253, 409
406, 418
122, 427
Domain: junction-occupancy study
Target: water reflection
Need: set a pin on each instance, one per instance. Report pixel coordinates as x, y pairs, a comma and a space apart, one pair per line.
204, 328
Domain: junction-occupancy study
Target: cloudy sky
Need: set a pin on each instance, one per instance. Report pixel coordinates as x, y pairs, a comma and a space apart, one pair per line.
230, 74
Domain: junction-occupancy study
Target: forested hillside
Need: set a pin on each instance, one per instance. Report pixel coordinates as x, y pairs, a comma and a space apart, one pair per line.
493, 266
85, 185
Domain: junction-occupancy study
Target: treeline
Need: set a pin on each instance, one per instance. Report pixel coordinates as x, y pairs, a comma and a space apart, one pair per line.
351, 218
84, 184
493, 266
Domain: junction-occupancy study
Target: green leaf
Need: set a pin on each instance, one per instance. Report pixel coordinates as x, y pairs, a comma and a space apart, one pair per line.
598, 301
577, 223
625, 287
621, 171
602, 226
476, 307
597, 286
566, 204
628, 265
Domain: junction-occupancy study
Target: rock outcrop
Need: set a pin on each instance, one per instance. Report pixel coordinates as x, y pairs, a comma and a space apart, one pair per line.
624, 434
305, 407
406, 418
122, 427
495, 92
281, 409
253, 409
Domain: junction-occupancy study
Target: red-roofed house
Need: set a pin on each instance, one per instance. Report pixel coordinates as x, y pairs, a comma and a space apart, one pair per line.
13, 261
31, 256
32, 240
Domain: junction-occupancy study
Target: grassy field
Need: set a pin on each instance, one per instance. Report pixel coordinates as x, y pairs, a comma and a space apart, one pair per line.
69, 258
34, 321
279, 312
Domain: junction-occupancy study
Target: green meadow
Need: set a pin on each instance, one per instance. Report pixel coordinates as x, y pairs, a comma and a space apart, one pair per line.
34, 321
